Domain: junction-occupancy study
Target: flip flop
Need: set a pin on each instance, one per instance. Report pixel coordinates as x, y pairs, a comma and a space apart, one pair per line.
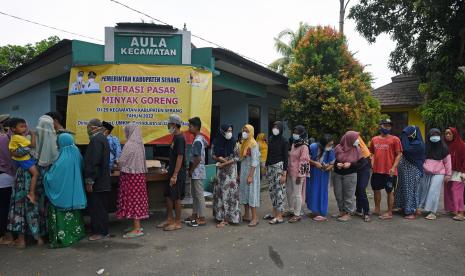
5, 242
295, 219
172, 227
458, 218
17, 245
130, 229
410, 217
385, 217
246, 219
320, 218
163, 224
133, 235
97, 237
253, 224
344, 218
222, 224
275, 221
268, 217
366, 218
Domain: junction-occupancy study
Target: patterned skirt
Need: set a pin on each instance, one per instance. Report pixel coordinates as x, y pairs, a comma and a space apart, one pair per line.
25, 217
65, 228
407, 187
133, 201
226, 195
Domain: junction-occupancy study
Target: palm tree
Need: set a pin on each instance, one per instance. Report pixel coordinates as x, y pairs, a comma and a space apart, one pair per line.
285, 49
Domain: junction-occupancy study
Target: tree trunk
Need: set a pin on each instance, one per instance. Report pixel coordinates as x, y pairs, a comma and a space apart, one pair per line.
342, 14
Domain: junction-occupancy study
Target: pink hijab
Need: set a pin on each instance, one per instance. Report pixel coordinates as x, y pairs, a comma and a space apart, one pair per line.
345, 151
132, 159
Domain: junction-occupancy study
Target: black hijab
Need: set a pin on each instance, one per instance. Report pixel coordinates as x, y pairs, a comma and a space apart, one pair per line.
438, 150
223, 147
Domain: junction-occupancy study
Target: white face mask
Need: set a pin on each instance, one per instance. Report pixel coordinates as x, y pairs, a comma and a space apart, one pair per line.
275, 131
79, 79
356, 143
228, 135
171, 130
329, 148
245, 135
91, 80
295, 137
435, 138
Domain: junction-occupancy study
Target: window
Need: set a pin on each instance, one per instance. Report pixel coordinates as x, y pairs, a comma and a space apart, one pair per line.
272, 117
399, 121
254, 118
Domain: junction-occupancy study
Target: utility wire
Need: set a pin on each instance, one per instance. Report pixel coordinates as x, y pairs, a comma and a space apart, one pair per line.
196, 36
50, 27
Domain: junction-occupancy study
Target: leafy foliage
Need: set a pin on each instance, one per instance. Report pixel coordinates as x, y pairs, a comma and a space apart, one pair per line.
13, 56
430, 38
329, 90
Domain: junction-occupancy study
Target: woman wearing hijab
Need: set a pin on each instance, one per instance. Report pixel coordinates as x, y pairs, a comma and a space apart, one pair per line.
438, 170
64, 188
7, 179
46, 144
276, 162
453, 190
298, 170
348, 160
250, 175
410, 171
322, 162
226, 207
132, 195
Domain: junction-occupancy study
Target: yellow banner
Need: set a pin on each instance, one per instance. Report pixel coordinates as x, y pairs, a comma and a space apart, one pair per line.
145, 94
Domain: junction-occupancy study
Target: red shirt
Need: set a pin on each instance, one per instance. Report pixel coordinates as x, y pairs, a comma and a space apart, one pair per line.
384, 150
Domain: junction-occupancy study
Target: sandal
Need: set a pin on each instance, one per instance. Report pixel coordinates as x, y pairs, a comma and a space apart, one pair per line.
222, 224
246, 219
431, 216
385, 217
4, 241
295, 219
275, 221
97, 237
253, 223
17, 244
410, 217
458, 218
320, 218
366, 218
130, 229
268, 217
163, 224
172, 227
132, 235
344, 218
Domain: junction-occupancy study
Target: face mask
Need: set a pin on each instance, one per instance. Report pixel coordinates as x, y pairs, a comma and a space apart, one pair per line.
356, 143
171, 130
329, 148
385, 131
228, 135
91, 80
435, 138
245, 135
296, 137
275, 131
79, 79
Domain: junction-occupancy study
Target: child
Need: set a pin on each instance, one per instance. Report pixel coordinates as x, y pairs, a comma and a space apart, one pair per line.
20, 148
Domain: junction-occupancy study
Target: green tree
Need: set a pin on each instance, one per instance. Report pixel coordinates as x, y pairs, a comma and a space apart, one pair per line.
286, 48
430, 43
329, 90
13, 56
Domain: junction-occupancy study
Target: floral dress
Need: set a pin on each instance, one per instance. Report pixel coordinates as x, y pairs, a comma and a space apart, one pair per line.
226, 192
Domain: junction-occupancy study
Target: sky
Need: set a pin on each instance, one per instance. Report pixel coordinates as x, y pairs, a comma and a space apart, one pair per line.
245, 27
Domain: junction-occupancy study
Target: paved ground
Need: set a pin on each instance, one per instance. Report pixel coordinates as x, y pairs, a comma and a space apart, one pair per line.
355, 248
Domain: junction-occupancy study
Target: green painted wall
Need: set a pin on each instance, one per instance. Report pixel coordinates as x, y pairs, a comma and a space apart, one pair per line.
85, 53
203, 57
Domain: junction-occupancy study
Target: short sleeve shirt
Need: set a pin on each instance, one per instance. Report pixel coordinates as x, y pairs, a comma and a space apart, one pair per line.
178, 147
198, 150
384, 150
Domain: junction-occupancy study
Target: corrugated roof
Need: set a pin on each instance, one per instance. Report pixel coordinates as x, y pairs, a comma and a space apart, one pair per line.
402, 91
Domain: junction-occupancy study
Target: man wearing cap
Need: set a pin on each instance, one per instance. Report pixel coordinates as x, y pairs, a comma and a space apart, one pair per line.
91, 86
174, 189
97, 179
78, 86
7, 179
387, 151
113, 142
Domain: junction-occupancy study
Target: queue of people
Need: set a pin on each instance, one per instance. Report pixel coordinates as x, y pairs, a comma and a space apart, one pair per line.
45, 183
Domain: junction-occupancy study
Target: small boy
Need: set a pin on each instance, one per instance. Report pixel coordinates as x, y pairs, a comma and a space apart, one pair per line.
20, 148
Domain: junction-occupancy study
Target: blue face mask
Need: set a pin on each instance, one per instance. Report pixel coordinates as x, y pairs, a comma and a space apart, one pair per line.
385, 131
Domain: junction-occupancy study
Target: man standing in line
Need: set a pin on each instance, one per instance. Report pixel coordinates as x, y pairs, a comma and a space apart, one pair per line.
97, 179
387, 151
174, 190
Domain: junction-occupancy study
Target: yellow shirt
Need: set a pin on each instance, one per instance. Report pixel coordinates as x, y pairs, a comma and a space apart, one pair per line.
16, 142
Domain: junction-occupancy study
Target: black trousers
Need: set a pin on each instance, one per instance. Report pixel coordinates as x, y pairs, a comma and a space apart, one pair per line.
97, 205
363, 177
5, 195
